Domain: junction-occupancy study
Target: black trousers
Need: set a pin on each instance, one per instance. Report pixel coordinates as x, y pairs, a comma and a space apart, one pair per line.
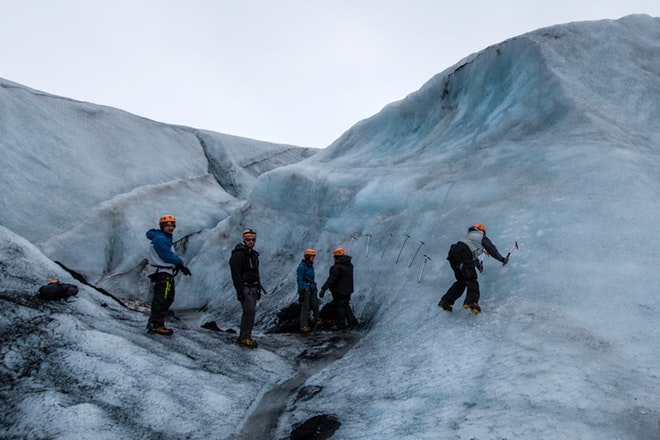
251, 294
163, 290
462, 263
345, 315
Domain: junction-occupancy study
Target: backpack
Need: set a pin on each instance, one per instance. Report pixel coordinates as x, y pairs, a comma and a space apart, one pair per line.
451, 251
56, 290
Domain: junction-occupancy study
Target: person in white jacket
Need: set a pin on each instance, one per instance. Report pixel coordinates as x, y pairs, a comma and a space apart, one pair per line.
163, 266
464, 260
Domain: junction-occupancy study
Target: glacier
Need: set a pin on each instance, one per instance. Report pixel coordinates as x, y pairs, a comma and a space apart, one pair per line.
550, 139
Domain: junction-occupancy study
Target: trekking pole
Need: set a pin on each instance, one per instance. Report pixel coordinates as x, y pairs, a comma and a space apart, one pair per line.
421, 272
353, 238
404, 243
421, 243
366, 254
386, 243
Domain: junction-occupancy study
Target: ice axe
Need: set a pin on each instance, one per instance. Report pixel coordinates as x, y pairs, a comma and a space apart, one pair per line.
404, 243
386, 243
366, 254
515, 246
421, 243
353, 238
421, 272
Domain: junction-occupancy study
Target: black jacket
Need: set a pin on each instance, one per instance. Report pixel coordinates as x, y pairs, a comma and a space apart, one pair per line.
340, 278
244, 265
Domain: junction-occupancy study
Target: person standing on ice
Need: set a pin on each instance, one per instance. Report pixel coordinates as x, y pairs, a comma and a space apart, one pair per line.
307, 291
163, 266
340, 283
464, 260
244, 266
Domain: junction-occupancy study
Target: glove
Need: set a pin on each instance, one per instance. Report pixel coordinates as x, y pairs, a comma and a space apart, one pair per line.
301, 296
479, 265
239, 296
506, 260
322, 293
184, 270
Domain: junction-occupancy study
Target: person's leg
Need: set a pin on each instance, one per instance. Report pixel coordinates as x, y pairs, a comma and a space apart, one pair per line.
249, 305
163, 297
304, 309
473, 294
456, 290
315, 304
350, 316
340, 305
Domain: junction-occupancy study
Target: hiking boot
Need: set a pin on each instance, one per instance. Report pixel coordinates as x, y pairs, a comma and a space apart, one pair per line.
474, 307
447, 308
160, 331
305, 329
248, 343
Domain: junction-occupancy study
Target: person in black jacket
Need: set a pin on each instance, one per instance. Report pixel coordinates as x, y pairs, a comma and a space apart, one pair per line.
244, 265
340, 284
464, 260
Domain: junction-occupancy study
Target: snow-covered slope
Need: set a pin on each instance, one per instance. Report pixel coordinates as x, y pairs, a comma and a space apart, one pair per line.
85, 179
549, 139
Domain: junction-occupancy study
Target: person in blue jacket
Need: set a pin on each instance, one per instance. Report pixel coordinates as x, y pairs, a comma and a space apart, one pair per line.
307, 291
163, 266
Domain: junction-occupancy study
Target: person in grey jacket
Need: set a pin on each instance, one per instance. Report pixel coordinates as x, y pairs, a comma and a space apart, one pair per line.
464, 260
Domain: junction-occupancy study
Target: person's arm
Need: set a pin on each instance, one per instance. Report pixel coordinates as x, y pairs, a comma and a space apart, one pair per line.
164, 250
300, 277
492, 250
235, 265
332, 277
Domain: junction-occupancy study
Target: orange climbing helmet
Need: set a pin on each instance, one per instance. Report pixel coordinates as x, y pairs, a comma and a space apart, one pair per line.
480, 227
167, 219
310, 253
339, 252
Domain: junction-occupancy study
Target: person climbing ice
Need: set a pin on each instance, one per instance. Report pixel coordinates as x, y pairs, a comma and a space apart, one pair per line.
464, 260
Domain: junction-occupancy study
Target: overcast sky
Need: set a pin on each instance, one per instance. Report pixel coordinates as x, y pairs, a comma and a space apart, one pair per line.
291, 71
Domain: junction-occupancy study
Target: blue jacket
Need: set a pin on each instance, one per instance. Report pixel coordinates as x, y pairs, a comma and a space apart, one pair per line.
162, 257
305, 275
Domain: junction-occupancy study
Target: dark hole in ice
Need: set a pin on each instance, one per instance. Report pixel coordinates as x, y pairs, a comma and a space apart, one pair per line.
319, 427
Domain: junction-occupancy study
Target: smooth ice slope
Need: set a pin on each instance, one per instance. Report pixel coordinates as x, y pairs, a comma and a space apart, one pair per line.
549, 139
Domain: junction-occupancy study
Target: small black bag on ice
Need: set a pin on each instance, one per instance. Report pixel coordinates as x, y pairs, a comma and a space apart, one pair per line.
55, 291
